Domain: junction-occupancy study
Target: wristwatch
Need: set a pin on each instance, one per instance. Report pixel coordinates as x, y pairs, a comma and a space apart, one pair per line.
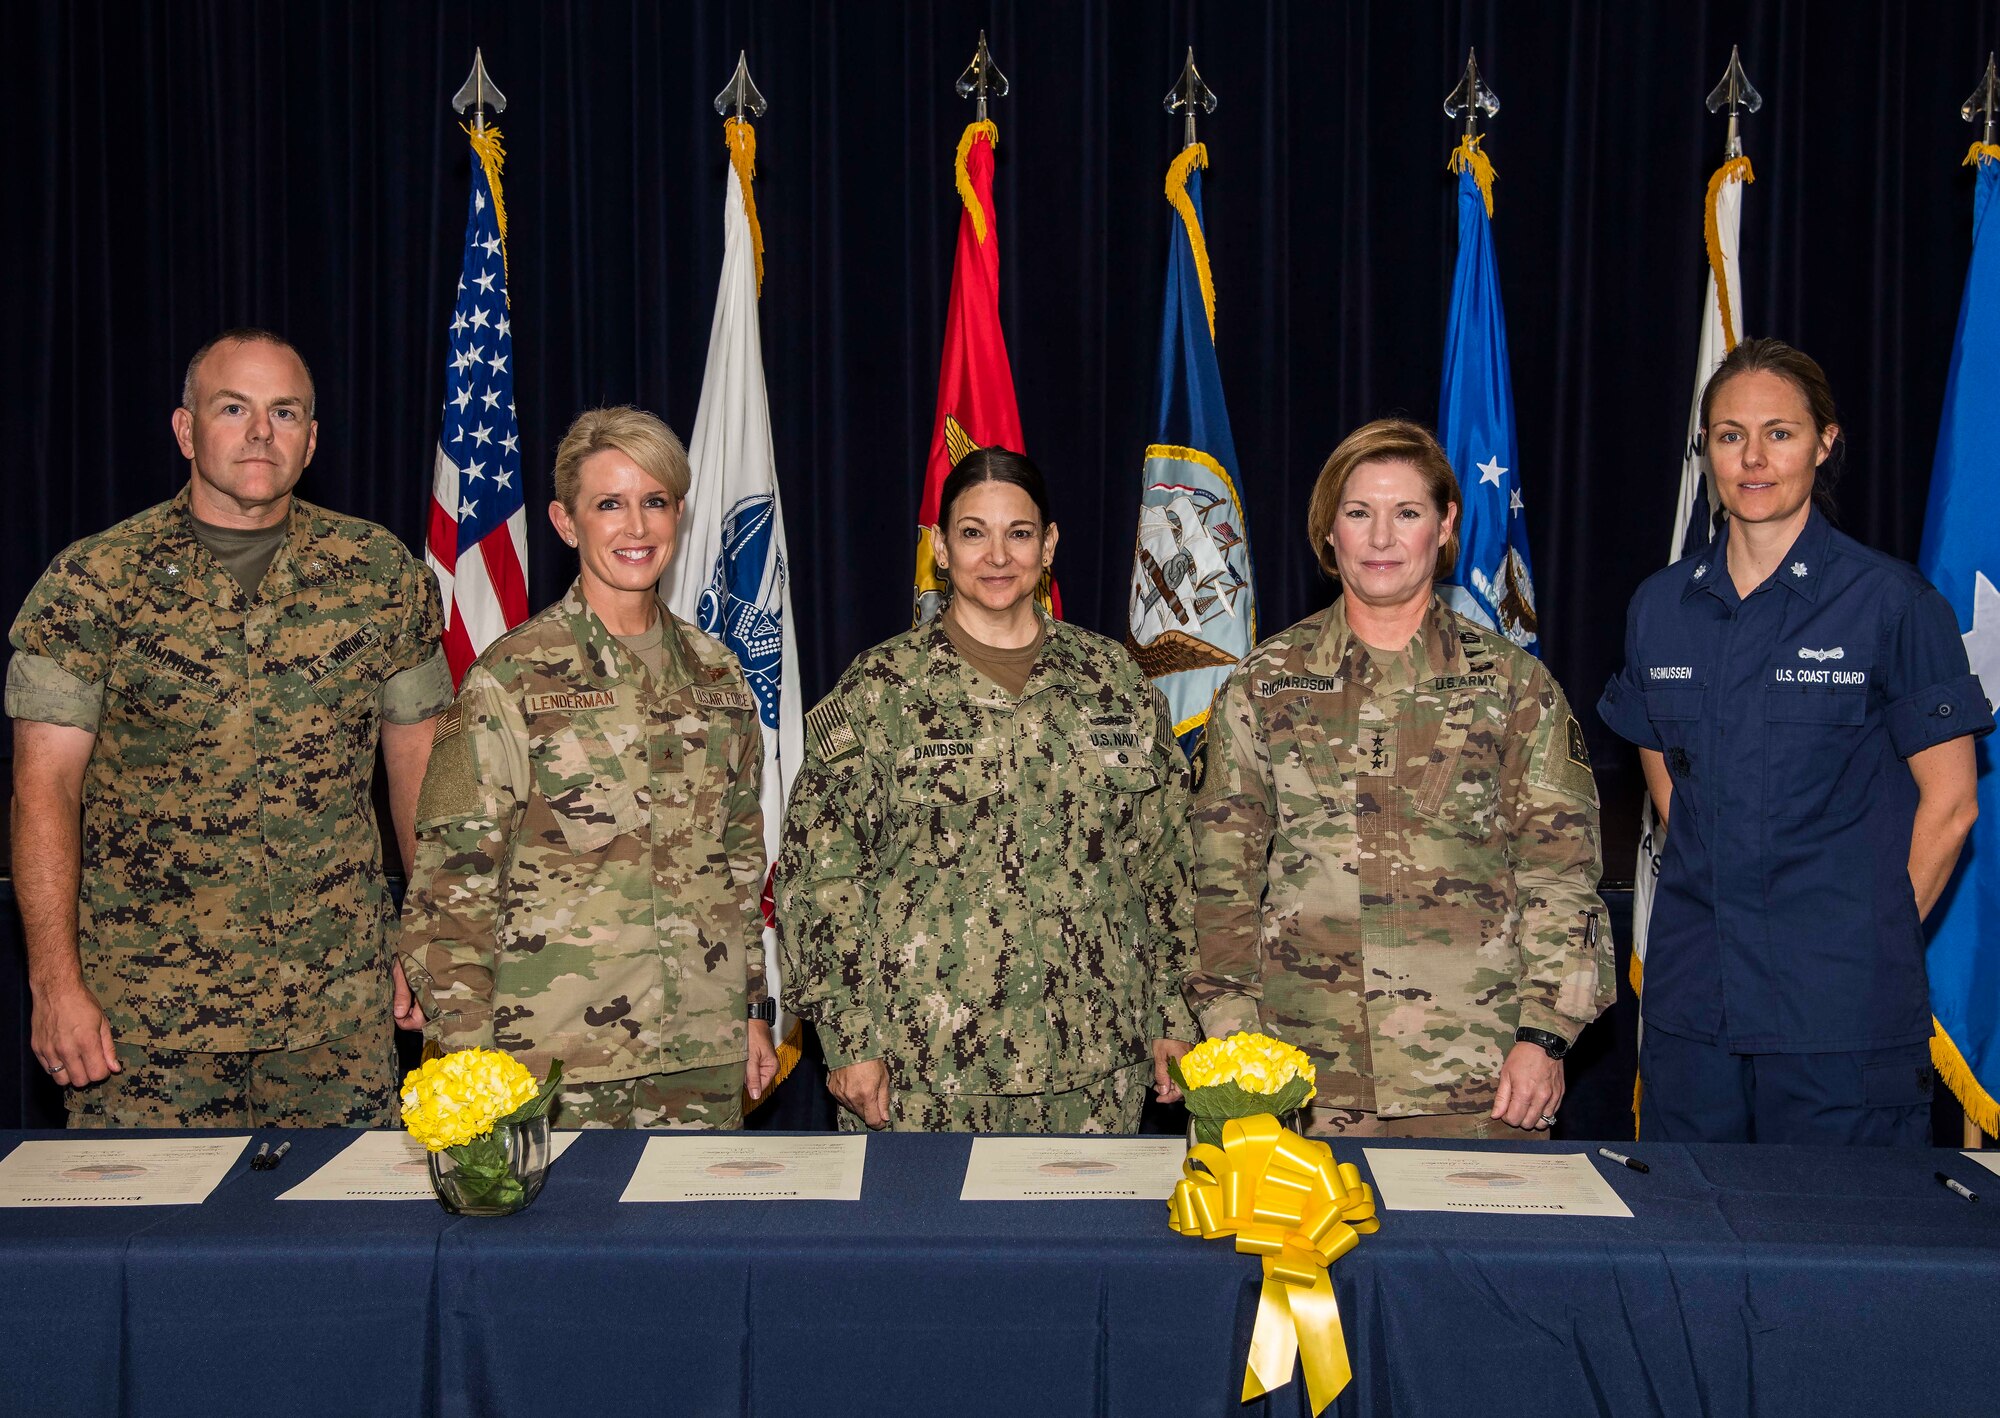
1554, 1045
767, 1010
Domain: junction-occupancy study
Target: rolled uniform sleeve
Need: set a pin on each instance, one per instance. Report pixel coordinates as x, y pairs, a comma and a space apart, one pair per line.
827, 930
65, 640
467, 813
1622, 706
1549, 799
1235, 806
419, 682
1933, 695
1167, 885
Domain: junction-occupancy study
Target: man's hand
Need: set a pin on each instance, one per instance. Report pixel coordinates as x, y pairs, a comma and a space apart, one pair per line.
762, 1065
1531, 1088
71, 1036
403, 1003
863, 1089
1164, 1087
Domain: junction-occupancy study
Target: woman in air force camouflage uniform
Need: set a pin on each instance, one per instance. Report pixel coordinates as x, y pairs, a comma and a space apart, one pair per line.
983, 894
1396, 831
590, 854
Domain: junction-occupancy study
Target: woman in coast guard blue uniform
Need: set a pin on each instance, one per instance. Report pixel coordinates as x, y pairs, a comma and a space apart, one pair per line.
1805, 716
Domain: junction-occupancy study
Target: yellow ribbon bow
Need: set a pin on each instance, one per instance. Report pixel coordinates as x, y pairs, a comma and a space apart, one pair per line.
1284, 1198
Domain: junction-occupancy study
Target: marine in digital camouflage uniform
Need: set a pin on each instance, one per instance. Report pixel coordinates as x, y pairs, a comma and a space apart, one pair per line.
590, 868
1396, 862
989, 892
232, 915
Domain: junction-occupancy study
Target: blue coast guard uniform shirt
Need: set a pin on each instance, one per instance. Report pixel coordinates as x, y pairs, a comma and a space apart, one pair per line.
1784, 921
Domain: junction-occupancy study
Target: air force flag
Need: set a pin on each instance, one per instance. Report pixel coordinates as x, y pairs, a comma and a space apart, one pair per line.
730, 575
1961, 557
1493, 582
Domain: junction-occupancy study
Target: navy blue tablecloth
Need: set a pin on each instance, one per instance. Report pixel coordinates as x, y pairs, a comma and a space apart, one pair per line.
1770, 1280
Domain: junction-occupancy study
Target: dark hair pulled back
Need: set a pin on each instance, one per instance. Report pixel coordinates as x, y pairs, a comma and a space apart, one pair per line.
1802, 372
994, 465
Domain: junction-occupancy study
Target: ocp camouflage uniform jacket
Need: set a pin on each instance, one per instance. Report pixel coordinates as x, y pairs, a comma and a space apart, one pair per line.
1394, 881
590, 854
232, 895
991, 894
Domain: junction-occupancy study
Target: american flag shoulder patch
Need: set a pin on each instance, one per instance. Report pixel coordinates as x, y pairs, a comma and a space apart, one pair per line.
833, 736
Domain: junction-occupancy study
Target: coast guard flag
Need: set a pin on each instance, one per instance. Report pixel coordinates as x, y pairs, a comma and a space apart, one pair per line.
730, 576
478, 539
1961, 556
1193, 611
1493, 582
1694, 519
975, 406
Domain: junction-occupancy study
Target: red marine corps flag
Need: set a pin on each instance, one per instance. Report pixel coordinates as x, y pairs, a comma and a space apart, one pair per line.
975, 407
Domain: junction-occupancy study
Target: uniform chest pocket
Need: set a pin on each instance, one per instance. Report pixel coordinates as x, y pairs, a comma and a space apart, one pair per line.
1459, 787
161, 713
583, 778
1810, 740
947, 782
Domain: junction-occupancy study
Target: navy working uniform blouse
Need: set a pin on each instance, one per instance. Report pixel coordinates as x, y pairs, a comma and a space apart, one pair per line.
1784, 920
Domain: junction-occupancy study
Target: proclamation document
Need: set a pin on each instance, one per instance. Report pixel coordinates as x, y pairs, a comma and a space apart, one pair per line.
384, 1166
748, 1166
1073, 1168
1530, 1183
117, 1171
1989, 1160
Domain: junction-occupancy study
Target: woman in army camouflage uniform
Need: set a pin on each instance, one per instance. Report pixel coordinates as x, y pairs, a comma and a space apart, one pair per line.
1396, 831
590, 850
983, 892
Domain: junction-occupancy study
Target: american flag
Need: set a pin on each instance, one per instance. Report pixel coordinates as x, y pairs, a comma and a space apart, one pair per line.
478, 541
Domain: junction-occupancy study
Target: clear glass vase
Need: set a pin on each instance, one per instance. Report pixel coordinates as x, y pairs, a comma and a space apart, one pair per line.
494, 1175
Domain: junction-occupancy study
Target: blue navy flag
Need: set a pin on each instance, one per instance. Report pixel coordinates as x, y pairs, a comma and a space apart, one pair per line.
1193, 611
1961, 556
1494, 581
478, 538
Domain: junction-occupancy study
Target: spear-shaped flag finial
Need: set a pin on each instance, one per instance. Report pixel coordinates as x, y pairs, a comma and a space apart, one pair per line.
982, 78
479, 93
1739, 96
740, 93
1471, 99
1189, 96
1985, 100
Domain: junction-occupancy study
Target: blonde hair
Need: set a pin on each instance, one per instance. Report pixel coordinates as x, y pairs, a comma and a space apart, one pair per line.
640, 436
1383, 441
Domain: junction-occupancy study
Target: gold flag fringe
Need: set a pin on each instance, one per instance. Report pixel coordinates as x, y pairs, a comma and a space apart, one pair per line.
965, 192
492, 157
1469, 155
1738, 168
741, 140
1193, 156
1957, 1074
1974, 156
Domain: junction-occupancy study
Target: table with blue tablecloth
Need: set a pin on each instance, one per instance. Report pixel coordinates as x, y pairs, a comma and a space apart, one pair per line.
1763, 1280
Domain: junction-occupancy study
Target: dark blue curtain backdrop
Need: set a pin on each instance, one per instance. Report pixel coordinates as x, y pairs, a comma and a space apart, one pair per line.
175, 168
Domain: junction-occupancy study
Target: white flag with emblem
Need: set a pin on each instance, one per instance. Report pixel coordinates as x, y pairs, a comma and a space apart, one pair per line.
731, 576
1721, 328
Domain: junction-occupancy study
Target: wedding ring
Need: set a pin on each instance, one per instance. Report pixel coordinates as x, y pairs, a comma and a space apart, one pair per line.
1548, 1120
58, 1068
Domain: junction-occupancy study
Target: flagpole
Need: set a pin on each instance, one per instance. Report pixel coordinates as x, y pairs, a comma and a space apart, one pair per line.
1189, 96
982, 77
1737, 95
479, 93
1471, 98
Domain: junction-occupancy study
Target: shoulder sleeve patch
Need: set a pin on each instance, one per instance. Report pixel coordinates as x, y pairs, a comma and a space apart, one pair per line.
451, 781
1562, 760
833, 736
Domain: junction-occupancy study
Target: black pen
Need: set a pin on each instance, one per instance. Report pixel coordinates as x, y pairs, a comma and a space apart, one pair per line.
257, 1162
278, 1156
1622, 1160
1960, 1187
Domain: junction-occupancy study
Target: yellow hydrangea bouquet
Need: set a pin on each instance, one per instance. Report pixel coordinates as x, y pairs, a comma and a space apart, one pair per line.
484, 1121
1240, 1077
